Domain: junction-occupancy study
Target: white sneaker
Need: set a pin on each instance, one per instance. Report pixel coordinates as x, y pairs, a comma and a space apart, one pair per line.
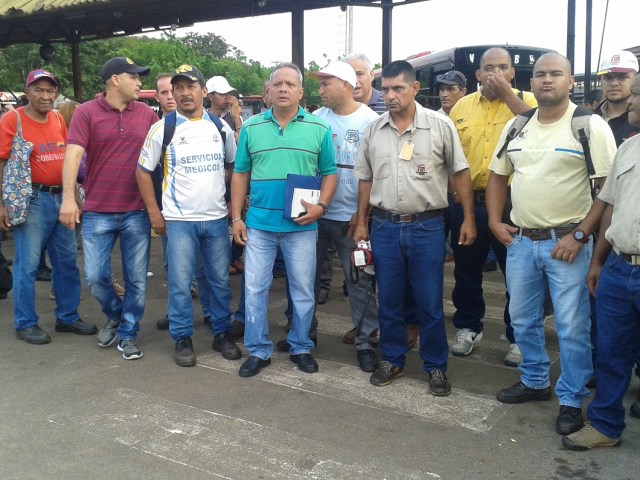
464, 342
513, 356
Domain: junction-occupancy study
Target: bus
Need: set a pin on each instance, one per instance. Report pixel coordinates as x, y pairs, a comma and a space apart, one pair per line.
466, 60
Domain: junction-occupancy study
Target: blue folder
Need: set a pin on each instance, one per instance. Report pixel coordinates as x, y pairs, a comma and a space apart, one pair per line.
309, 182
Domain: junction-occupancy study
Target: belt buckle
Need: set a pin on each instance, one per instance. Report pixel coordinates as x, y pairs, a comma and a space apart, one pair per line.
634, 260
537, 234
404, 218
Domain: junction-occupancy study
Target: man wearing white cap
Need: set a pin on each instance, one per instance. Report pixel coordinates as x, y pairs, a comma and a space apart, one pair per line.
348, 120
617, 73
219, 92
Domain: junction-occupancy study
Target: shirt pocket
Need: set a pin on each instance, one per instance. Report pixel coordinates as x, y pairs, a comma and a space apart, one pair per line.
422, 167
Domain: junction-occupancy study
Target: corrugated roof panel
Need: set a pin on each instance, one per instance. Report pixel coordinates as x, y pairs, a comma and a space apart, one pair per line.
28, 7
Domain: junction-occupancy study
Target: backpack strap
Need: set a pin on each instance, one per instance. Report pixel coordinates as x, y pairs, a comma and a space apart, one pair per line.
218, 123
169, 130
516, 127
580, 127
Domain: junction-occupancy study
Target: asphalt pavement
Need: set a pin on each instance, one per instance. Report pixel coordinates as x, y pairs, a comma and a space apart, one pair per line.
73, 410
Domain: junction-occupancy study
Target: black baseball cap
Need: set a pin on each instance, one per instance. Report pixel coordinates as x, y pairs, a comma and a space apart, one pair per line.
452, 77
118, 65
189, 72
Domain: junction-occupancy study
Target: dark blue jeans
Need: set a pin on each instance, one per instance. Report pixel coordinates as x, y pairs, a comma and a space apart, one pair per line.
469, 261
410, 257
618, 317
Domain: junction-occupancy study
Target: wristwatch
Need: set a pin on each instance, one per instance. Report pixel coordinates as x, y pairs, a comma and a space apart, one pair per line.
580, 236
324, 207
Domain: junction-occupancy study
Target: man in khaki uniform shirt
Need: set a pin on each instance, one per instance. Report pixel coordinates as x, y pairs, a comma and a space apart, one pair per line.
403, 165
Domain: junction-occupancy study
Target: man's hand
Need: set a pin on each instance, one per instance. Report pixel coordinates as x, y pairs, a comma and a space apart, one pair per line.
567, 249
353, 223
593, 276
5, 224
314, 212
69, 213
498, 86
468, 233
239, 230
360, 232
503, 232
157, 222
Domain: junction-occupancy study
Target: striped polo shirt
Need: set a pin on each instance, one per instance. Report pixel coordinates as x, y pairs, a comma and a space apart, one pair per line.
269, 153
112, 140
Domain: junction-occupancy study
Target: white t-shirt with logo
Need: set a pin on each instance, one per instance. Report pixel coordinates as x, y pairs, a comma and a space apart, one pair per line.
347, 132
193, 188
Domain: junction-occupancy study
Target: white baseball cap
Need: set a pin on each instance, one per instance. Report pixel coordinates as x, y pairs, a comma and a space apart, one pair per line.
619, 62
219, 84
340, 70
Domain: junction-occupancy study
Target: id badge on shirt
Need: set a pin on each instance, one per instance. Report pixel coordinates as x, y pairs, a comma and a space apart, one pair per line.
406, 153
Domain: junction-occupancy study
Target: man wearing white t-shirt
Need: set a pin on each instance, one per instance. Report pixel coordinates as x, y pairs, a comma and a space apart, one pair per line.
348, 120
194, 211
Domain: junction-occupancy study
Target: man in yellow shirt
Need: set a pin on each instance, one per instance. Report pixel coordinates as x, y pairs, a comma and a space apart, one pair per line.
479, 119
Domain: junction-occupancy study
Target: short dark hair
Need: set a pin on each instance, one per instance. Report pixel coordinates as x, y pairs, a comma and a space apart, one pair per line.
400, 67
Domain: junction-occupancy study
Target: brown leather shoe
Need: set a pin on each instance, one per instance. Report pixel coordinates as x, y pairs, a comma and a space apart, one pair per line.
413, 329
350, 337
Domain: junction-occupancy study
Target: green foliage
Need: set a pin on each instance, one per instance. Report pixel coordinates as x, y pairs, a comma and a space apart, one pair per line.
209, 52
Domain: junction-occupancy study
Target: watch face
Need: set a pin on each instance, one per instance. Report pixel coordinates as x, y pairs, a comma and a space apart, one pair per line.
579, 235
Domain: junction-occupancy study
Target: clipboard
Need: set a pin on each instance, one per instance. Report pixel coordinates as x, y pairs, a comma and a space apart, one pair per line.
298, 187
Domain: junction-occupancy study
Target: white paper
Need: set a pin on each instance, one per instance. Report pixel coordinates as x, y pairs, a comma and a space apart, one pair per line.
308, 195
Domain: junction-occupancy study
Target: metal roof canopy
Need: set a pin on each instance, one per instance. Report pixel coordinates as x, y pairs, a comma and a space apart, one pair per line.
74, 21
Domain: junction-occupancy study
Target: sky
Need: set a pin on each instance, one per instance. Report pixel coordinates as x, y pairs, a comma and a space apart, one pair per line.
431, 26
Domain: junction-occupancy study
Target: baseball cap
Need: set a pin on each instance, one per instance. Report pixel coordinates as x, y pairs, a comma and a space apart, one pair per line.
219, 84
340, 70
118, 65
189, 72
452, 77
619, 62
39, 74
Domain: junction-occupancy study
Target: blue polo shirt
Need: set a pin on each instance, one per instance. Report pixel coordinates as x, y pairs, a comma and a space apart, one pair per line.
269, 153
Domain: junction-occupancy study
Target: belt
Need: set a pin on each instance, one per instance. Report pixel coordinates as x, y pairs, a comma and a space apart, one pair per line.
404, 217
479, 196
46, 188
627, 257
547, 233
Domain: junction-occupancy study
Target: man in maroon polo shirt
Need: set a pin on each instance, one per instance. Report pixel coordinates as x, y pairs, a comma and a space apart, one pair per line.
111, 130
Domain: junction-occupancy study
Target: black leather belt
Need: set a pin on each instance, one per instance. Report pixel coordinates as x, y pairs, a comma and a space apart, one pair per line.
46, 188
479, 196
627, 257
547, 233
404, 217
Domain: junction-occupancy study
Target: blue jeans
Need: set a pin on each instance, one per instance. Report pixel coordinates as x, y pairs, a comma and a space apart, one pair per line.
529, 263
469, 261
99, 234
299, 252
618, 317
42, 229
362, 299
187, 241
409, 256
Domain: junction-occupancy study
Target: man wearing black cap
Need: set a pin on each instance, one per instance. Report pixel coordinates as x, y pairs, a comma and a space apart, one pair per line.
110, 130
46, 130
452, 86
194, 211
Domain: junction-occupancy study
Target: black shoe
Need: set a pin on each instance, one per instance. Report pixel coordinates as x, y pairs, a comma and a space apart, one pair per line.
184, 354
385, 374
283, 345
634, 409
520, 393
569, 420
489, 266
223, 344
207, 320
44, 275
8, 262
34, 335
439, 384
305, 362
78, 327
323, 296
367, 360
237, 330
253, 365
592, 382
163, 323
3, 295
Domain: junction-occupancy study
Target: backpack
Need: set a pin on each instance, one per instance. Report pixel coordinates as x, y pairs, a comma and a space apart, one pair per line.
579, 126
169, 129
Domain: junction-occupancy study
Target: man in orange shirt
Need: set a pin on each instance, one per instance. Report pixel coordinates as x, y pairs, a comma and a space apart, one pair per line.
47, 131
